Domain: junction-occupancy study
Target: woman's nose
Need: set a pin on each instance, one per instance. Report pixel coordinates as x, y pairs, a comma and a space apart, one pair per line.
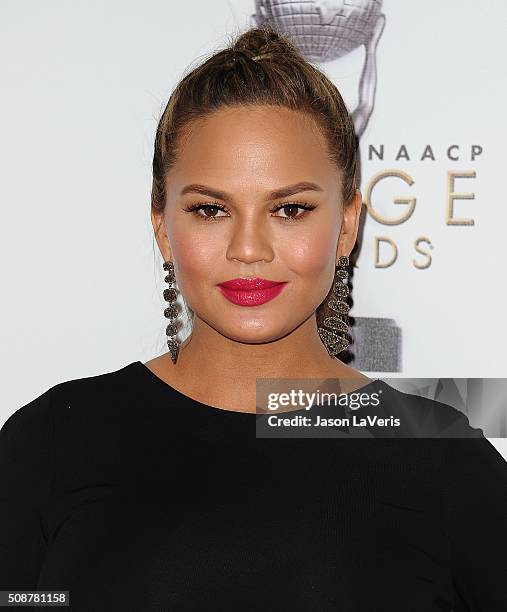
250, 241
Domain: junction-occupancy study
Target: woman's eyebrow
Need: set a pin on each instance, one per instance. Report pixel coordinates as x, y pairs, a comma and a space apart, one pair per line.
282, 192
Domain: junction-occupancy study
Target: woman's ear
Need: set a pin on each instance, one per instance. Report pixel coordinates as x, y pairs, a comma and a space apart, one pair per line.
350, 224
159, 229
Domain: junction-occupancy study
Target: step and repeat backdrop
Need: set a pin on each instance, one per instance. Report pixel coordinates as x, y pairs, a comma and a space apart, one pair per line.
84, 84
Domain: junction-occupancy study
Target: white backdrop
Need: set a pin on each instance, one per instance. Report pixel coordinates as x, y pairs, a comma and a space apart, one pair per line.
83, 85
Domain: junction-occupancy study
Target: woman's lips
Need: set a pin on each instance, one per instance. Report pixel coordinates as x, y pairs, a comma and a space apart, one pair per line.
250, 292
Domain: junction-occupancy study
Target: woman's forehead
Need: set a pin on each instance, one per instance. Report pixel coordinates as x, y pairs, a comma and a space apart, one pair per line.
263, 142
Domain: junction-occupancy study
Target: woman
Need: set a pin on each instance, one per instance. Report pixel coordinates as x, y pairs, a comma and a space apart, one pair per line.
146, 488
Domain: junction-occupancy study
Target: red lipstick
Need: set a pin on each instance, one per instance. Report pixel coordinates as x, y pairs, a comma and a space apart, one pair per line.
250, 291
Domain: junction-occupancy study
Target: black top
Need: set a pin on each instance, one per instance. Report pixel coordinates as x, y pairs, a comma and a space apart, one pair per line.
133, 496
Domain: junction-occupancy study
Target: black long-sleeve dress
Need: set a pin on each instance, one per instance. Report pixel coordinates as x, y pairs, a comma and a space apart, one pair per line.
132, 496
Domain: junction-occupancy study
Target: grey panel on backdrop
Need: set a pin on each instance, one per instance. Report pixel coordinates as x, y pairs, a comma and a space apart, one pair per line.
376, 345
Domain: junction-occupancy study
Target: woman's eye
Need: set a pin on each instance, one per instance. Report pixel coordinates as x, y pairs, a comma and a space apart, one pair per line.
291, 211
210, 211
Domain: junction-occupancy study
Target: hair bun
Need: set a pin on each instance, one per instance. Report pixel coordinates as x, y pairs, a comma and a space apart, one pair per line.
261, 41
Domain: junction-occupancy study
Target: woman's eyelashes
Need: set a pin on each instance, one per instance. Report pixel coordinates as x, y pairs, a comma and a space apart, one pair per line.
291, 216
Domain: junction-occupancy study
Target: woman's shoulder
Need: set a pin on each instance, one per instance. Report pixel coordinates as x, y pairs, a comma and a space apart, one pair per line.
107, 386
85, 391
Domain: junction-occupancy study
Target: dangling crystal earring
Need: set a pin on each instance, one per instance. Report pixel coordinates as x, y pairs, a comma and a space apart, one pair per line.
338, 323
171, 312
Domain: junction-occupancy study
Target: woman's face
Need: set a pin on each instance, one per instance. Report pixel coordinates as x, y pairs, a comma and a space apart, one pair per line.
246, 154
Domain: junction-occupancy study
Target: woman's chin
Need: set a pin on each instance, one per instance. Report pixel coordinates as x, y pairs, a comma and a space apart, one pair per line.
253, 335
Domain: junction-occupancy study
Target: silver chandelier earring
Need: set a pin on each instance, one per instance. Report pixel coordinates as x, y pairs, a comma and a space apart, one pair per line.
171, 312
338, 323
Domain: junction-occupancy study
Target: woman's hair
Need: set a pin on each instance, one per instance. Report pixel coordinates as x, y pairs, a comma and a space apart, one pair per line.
259, 67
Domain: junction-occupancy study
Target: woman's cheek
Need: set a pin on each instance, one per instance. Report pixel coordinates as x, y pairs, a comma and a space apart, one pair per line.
196, 262
311, 257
